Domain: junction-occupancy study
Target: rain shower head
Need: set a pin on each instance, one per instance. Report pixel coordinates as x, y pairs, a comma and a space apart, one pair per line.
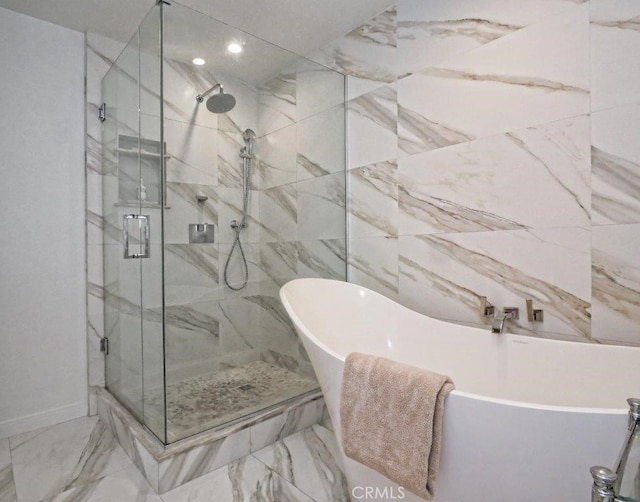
218, 103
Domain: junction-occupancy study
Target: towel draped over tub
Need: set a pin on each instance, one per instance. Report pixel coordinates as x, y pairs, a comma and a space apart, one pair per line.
391, 418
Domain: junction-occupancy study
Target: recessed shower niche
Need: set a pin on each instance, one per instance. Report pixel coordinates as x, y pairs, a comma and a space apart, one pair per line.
197, 337
139, 170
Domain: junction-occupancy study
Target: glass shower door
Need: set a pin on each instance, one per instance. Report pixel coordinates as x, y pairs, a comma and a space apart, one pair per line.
132, 209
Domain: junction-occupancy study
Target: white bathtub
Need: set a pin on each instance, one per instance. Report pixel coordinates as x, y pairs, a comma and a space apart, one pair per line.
528, 416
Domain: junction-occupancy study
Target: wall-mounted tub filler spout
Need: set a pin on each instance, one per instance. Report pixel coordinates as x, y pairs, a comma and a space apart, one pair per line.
498, 321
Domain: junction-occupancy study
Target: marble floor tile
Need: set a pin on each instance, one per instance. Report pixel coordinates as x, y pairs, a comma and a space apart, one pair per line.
7, 485
309, 460
124, 486
63, 457
247, 479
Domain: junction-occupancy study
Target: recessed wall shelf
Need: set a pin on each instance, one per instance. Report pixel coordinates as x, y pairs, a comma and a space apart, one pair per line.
140, 168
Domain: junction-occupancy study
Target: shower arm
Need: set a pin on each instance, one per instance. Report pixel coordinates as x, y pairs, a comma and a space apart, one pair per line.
200, 97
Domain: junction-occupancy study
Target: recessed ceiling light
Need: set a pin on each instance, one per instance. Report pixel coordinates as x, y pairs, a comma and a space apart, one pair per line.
234, 48
198, 61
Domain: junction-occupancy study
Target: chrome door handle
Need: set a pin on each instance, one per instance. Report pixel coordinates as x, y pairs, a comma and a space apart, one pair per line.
138, 223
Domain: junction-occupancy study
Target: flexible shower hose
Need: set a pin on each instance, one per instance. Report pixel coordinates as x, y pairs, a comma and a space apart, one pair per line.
236, 243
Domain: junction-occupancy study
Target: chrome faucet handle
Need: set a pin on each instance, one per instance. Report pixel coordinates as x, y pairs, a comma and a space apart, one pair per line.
534, 315
486, 309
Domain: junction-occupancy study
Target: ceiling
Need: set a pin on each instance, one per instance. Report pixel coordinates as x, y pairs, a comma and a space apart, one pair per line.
300, 26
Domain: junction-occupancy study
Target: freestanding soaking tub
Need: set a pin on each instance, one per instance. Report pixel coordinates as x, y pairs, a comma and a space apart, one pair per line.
527, 420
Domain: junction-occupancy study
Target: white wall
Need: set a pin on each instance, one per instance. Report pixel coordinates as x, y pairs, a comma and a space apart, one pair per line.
43, 377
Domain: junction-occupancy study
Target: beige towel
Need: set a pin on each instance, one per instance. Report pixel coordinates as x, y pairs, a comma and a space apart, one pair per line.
391, 419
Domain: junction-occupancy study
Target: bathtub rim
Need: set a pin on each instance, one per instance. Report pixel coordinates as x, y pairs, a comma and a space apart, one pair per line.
469, 395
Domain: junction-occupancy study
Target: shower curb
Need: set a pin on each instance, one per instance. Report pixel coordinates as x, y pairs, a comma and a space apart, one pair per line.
169, 466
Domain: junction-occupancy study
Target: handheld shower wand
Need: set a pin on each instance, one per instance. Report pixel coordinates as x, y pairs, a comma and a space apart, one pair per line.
246, 154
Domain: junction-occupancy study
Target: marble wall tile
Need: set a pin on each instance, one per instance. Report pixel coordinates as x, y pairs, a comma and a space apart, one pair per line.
326, 420
321, 207
373, 127
230, 208
278, 213
192, 340
191, 273
182, 83
7, 484
279, 262
316, 446
231, 259
322, 258
276, 162
126, 430
182, 468
229, 161
277, 103
373, 263
193, 153
318, 89
257, 323
63, 457
616, 284
373, 200
535, 75
445, 275
244, 479
240, 321
366, 54
536, 177
291, 421
276, 330
615, 41
429, 33
615, 165
321, 144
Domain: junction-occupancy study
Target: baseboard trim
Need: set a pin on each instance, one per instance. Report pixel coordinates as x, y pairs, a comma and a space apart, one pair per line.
42, 419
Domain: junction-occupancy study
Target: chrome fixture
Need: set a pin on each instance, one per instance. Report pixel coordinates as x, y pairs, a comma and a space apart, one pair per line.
218, 103
603, 481
534, 315
201, 233
139, 233
202, 199
486, 309
498, 321
246, 154
102, 112
623, 482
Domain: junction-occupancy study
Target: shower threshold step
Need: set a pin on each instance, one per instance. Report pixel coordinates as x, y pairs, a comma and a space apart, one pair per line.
169, 466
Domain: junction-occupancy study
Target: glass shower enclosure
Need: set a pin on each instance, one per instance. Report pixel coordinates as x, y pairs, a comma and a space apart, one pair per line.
225, 178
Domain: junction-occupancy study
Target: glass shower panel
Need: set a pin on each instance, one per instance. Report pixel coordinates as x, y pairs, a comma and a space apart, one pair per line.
152, 188
120, 199
132, 204
230, 349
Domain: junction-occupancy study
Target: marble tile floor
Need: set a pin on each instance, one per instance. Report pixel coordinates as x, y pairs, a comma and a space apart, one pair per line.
81, 461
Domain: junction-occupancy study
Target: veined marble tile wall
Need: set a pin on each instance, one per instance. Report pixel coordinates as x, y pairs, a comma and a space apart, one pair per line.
493, 153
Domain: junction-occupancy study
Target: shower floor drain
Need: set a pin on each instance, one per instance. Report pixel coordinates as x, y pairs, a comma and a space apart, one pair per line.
246, 386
